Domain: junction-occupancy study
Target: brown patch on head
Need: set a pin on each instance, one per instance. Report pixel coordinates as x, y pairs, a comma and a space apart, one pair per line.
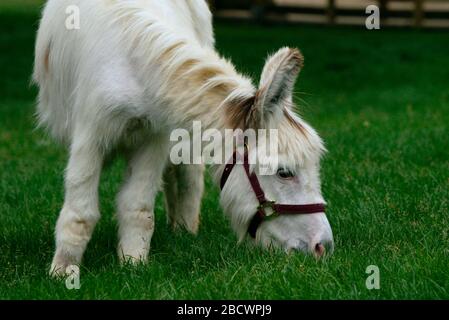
295, 123
240, 112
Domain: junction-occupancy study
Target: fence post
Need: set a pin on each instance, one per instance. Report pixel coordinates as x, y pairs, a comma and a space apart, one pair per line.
331, 11
383, 10
419, 13
259, 8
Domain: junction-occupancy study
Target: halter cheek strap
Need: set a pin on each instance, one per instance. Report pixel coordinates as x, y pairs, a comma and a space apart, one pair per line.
266, 209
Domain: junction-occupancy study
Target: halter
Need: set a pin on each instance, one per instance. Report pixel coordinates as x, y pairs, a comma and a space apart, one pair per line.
267, 209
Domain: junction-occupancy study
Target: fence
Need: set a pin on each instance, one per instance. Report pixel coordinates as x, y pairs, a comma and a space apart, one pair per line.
418, 13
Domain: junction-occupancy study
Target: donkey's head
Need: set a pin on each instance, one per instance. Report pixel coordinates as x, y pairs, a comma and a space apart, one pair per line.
294, 182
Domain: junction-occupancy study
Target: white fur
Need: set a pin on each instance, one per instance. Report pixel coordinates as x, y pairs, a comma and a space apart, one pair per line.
133, 72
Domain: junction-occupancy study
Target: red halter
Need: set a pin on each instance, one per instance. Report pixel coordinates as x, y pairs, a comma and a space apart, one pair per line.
264, 204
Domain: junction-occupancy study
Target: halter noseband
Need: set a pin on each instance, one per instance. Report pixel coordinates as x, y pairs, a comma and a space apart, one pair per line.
267, 209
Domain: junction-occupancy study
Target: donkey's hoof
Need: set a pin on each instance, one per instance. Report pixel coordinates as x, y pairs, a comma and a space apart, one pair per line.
135, 257
62, 266
133, 261
191, 225
62, 270
57, 271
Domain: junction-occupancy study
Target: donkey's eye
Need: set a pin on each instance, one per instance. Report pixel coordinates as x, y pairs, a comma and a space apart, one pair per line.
285, 173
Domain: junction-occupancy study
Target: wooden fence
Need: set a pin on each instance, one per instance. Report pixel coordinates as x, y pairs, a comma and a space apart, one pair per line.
418, 13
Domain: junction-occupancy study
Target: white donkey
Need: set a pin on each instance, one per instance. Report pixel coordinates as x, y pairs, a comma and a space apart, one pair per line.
132, 72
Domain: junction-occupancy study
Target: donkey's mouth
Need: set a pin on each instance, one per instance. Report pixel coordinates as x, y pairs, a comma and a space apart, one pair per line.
292, 245
319, 249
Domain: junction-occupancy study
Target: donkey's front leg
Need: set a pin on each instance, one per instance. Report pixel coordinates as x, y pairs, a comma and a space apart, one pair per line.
183, 188
136, 201
80, 212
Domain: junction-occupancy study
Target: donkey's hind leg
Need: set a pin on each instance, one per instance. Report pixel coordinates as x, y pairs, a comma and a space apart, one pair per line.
183, 188
136, 201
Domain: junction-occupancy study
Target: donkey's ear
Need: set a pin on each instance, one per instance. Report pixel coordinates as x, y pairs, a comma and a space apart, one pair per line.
277, 82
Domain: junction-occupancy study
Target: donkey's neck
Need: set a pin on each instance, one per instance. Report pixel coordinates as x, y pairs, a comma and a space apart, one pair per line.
202, 86
206, 89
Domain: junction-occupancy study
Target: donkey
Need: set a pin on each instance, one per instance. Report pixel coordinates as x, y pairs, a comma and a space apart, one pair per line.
130, 74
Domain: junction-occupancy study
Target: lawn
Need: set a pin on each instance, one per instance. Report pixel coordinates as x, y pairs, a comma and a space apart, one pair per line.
380, 100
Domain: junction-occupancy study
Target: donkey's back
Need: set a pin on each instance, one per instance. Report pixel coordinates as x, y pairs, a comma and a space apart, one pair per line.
82, 63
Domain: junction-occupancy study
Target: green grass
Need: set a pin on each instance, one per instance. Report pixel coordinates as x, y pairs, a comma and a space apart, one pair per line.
380, 99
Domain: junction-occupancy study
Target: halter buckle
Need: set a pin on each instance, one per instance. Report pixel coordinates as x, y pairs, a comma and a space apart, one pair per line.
268, 209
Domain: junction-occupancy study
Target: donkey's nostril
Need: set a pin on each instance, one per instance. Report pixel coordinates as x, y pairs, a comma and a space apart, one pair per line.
319, 249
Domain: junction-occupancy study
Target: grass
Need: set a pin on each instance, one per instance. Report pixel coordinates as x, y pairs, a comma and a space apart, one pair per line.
380, 99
